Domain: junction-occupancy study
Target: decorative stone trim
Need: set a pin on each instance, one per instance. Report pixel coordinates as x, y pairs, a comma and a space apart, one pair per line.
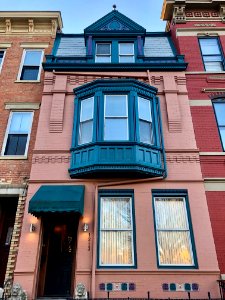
200, 102
34, 45
45, 159
214, 184
179, 14
182, 158
22, 105
204, 31
5, 45
14, 246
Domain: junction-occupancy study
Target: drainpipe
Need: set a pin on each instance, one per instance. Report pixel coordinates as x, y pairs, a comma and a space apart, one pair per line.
94, 245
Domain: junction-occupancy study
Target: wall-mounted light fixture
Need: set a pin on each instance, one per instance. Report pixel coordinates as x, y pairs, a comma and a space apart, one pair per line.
85, 227
32, 228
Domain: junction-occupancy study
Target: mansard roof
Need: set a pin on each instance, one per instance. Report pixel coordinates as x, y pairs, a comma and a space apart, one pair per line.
114, 22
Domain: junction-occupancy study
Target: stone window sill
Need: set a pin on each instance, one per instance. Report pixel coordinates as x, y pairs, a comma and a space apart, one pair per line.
15, 157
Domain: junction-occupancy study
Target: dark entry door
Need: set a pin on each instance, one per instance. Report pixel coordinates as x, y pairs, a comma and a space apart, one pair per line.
59, 242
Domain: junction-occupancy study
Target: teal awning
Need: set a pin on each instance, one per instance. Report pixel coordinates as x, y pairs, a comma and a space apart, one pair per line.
57, 199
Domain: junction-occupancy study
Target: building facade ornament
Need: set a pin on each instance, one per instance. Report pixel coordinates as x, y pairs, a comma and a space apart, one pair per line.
179, 14
80, 291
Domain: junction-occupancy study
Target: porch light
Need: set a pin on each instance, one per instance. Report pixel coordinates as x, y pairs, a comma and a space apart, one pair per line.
32, 228
85, 227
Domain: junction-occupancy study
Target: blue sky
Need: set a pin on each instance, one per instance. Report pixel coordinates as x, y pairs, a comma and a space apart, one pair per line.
78, 14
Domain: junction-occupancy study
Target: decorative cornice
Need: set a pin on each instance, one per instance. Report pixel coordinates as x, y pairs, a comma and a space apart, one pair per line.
30, 23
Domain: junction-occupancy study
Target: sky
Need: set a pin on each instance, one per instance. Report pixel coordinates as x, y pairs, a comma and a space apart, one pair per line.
78, 14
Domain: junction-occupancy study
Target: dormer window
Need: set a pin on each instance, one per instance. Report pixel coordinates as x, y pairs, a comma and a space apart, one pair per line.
126, 52
103, 53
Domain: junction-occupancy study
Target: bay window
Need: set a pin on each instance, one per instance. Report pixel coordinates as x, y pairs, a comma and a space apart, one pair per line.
116, 236
117, 127
174, 235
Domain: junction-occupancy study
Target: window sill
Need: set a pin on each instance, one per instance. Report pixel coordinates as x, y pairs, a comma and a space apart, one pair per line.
15, 157
205, 72
27, 81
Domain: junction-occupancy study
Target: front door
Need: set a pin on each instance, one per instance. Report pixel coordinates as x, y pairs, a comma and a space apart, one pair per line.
58, 255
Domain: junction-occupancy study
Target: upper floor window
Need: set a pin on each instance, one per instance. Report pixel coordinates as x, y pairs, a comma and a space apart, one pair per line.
211, 54
145, 121
18, 133
219, 108
173, 234
2, 55
103, 52
30, 68
116, 118
86, 121
126, 52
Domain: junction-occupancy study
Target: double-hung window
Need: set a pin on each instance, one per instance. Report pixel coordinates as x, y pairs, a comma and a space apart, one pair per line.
173, 234
126, 52
2, 55
31, 65
211, 54
145, 121
219, 108
116, 238
103, 53
86, 121
18, 133
116, 118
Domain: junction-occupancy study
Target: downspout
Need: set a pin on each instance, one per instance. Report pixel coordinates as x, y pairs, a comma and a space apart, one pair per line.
94, 245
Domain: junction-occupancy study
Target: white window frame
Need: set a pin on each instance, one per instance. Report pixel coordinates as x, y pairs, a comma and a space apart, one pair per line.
107, 55
22, 62
7, 133
1, 65
79, 132
175, 230
130, 230
121, 55
117, 117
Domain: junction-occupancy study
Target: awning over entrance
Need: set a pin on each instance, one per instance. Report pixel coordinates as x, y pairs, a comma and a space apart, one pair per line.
57, 199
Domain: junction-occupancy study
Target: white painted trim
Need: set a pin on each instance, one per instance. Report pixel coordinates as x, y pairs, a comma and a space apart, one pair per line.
212, 153
13, 157
22, 62
6, 137
3, 58
30, 45
22, 105
7, 189
200, 102
5, 45
27, 81
205, 72
206, 31
214, 184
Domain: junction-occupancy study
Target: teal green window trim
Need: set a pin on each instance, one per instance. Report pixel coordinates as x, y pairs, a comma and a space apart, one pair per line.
117, 195
115, 121
115, 54
182, 195
219, 110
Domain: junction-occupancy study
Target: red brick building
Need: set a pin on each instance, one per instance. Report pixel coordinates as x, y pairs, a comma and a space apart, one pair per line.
25, 37
198, 30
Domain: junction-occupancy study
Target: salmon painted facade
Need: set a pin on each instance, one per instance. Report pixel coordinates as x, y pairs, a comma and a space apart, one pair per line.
116, 204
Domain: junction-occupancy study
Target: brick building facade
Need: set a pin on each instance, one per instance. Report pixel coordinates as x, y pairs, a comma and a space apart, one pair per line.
25, 37
198, 30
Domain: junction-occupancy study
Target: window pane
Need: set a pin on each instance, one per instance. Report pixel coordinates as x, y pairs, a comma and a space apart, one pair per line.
145, 132
174, 248
144, 109
87, 107
16, 144
85, 132
32, 58
213, 66
1, 56
20, 123
116, 106
116, 130
209, 46
103, 49
222, 134
29, 73
170, 214
126, 48
116, 248
220, 112
126, 59
116, 213
103, 59
212, 58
